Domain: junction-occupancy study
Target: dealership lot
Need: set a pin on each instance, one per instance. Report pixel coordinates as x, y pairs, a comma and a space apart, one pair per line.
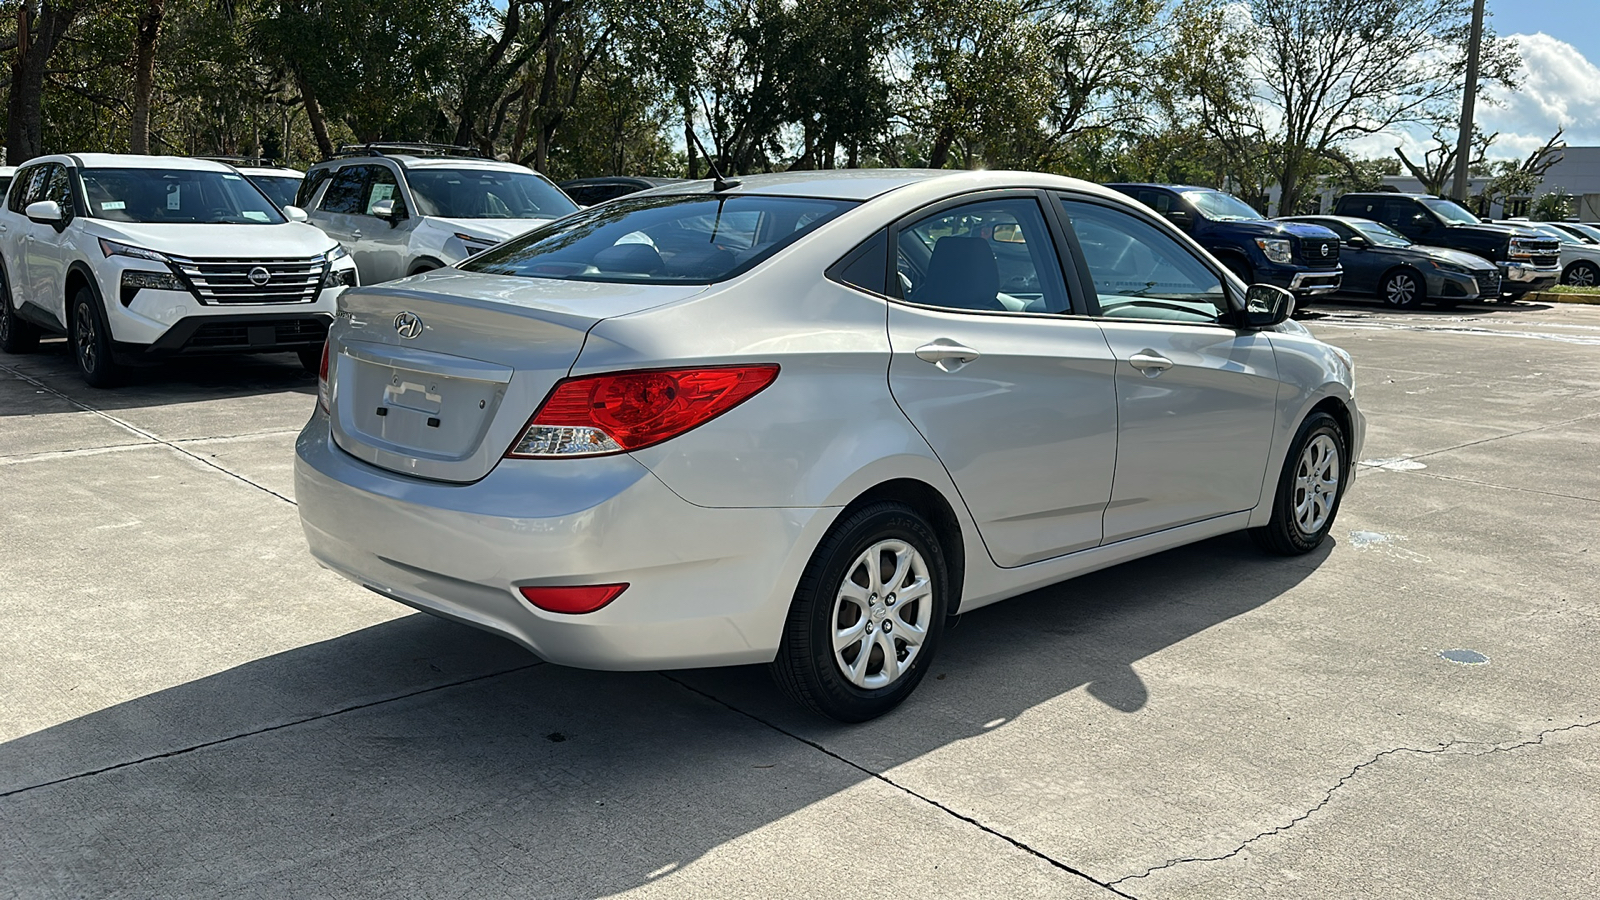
192, 707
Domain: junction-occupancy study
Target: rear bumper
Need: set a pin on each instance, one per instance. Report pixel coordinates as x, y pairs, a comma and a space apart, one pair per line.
707, 586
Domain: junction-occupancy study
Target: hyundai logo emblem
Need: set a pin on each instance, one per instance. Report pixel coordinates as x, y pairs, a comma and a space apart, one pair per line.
259, 276
408, 325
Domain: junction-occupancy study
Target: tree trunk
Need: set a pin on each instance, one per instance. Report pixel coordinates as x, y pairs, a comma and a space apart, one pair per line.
547, 97
25, 107
523, 115
319, 128
940, 153
146, 32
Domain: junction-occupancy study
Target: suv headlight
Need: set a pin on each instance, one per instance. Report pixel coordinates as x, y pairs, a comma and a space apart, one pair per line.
475, 243
338, 252
1276, 249
345, 277
113, 248
133, 279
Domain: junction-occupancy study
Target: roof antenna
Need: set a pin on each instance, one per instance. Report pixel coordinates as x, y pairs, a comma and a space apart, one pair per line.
721, 184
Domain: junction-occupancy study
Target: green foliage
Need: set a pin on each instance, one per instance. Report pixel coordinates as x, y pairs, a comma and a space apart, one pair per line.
1552, 206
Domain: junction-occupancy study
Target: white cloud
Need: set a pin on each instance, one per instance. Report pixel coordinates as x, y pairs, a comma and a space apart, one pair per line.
1559, 88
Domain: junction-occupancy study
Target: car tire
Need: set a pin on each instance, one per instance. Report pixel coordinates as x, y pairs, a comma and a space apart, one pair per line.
16, 336
1402, 289
1309, 489
1582, 274
91, 342
310, 359
847, 619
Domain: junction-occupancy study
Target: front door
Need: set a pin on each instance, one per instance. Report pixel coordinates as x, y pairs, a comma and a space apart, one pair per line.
1195, 396
45, 258
1014, 397
381, 253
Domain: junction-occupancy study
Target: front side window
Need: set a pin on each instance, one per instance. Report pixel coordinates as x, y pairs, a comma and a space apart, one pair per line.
471, 193
693, 239
1220, 207
177, 196
1379, 235
993, 256
380, 187
1140, 272
58, 187
22, 188
346, 191
1450, 211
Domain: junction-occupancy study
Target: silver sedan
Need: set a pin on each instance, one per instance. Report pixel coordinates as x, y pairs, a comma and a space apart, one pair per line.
804, 419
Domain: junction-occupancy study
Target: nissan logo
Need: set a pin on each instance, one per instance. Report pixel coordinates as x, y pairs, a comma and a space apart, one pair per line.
259, 276
1324, 249
408, 325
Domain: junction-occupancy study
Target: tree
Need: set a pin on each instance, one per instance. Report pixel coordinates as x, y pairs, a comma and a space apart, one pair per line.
1326, 71
1553, 206
41, 27
1512, 178
1438, 163
147, 30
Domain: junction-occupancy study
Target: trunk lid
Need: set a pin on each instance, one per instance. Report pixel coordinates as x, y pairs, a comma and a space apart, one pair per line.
435, 376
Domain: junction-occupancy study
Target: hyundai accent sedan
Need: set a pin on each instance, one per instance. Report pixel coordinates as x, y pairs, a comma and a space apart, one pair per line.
803, 419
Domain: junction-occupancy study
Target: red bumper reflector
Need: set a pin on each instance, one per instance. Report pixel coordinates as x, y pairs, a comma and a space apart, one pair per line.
576, 599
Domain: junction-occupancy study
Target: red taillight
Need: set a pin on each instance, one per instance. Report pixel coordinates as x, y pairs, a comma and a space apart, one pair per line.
575, 599
322, 378
613, 413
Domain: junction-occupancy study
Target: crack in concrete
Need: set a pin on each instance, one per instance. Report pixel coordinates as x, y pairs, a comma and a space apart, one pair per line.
147, 435
264, 730
986, 829
1501, 747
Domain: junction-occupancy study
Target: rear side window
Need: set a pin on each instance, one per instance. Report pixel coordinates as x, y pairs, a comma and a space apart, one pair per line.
309, 185
866, 268
695, 239
346, 191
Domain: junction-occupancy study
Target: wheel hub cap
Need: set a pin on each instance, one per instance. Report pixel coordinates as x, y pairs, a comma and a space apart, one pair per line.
1316, 484
881, 614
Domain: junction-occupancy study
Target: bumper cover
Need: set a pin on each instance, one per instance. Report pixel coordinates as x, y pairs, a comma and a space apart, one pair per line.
1316, 282
706, 586
1520, 278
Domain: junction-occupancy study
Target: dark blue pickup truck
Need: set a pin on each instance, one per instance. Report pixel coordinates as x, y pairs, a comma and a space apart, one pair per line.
1299, 257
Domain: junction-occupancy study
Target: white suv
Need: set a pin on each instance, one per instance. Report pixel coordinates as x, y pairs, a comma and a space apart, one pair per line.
137, 257
279, 183
401, 209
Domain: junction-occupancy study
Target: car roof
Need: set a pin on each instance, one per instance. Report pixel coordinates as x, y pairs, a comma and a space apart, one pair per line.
134, 161
646, 180
408, 161
1170, 187
865, 184
1319, 217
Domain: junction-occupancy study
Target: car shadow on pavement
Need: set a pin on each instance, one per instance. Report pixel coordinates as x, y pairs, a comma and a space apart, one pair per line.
172, 381
424, 758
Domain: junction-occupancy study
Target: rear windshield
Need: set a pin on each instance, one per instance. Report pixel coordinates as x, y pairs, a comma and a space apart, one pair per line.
486, 194
696, 239
177, 196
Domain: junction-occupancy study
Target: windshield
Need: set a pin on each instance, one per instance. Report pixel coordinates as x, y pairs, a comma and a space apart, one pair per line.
1550, 231
1589, 232
280, 188
1380, 235
1220, 207
486, 194
697, 239
1450, 211
177, 196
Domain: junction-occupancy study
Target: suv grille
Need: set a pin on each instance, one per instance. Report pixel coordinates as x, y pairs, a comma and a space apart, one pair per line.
229, 282
1319, 251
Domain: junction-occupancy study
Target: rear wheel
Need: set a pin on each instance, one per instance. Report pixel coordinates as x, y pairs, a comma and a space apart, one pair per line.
1309, 489
16, 336
1581, 274
1402, 289
867, 615
91, 342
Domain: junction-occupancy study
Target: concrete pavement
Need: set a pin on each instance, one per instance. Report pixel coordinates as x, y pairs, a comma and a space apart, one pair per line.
192, 708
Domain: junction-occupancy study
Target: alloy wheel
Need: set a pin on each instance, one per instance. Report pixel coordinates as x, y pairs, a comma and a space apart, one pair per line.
1316, 484
86, 338
1400, 290
1582, 275
881, 614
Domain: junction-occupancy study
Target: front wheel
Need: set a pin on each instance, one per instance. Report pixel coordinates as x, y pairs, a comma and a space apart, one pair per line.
1402, 290
1309, 489
91, 342
1581, 274
867, 615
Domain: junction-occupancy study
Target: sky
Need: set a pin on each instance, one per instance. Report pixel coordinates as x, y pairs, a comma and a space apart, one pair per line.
1559, 41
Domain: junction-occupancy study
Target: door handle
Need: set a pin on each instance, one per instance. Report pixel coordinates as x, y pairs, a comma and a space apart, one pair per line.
947, 354
356, 234
1150, 363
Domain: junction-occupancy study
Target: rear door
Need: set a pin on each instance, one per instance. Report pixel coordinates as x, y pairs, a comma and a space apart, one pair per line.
1196, 397
1012, 391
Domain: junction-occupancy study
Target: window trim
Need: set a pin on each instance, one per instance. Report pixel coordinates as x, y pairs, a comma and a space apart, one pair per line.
1046, 213
1136, 209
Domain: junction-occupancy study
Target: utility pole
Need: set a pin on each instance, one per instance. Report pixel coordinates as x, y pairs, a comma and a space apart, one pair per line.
1464, 142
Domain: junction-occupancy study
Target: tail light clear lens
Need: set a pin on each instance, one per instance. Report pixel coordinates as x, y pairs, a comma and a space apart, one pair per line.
614, 413
322, 378
572, 600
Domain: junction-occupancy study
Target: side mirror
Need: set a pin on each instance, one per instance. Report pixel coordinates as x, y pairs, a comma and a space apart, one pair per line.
45, 212
1266, 305
1357, 242
295, 214
384, 209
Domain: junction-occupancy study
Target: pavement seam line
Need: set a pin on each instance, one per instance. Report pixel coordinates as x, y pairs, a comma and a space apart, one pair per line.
1501, 747
264, 730
134, 429
1496, 437
902, 788
1504, 487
